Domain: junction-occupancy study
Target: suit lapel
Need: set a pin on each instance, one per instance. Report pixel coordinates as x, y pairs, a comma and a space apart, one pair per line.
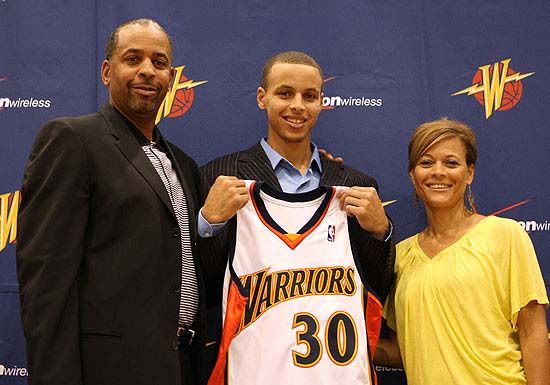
130, 148
333, 174
254, 164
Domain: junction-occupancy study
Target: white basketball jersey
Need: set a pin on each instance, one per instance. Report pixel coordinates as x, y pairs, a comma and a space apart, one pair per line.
293, 300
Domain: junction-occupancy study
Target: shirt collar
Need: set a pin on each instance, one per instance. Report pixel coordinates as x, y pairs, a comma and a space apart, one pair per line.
275, 158
142, 140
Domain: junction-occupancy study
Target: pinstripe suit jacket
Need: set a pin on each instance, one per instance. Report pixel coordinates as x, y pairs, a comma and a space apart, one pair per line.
377, 257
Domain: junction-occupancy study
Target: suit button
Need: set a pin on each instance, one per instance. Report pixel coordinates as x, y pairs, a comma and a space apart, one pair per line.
176, 232
175, 345
176, 288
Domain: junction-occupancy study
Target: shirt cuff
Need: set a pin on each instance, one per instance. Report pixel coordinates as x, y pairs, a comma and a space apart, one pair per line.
390, 233
207, 230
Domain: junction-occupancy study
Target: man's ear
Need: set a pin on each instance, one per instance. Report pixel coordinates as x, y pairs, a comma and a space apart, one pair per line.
106, 72
260, 95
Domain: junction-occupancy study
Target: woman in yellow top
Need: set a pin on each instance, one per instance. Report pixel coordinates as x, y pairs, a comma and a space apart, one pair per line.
469, 303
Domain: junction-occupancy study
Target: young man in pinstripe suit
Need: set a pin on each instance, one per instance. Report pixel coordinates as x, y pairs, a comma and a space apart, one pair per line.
291, 94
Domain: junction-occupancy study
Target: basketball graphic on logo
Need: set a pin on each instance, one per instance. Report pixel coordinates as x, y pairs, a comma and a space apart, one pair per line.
179, 99
511, 94
183, 100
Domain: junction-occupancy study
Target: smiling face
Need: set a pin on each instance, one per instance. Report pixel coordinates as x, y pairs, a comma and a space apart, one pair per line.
292, 102
441, 174
139, 71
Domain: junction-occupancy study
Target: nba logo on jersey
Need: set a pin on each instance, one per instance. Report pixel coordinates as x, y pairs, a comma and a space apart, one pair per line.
331, 233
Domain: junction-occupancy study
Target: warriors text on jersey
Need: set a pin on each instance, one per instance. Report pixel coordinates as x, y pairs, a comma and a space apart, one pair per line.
296, 309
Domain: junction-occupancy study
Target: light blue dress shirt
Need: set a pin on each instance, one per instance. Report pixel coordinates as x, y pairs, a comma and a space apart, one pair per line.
290, 178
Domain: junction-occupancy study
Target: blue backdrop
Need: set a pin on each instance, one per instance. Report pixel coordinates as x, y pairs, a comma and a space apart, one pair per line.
389, 65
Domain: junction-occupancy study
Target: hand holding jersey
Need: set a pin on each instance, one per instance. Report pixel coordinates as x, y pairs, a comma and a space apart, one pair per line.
227, 195
365, 204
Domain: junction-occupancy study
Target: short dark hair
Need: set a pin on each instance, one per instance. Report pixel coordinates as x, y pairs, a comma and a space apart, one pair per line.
291, 57
113, 37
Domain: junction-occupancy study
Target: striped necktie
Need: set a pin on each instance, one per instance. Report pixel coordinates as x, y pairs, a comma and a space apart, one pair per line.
189, 300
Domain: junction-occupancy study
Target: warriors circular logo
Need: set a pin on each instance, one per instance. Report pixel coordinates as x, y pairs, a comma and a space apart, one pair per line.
496, 86
179, 98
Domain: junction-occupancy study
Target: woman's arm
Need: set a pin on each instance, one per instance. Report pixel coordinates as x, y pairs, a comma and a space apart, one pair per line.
535, 347
387, 352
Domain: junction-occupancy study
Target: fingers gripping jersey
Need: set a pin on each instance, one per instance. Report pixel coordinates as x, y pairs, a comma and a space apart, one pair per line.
295, 306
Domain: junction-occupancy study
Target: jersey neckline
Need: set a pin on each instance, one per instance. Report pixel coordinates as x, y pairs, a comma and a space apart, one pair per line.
292, 240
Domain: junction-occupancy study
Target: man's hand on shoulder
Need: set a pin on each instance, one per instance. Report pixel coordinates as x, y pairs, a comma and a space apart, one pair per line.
364, 204
227, 195
329, 156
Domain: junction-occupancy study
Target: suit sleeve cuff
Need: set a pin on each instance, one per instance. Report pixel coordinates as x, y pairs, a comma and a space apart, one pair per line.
207, 230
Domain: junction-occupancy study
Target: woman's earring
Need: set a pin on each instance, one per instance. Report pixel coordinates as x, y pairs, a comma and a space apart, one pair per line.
470, 199
416, 200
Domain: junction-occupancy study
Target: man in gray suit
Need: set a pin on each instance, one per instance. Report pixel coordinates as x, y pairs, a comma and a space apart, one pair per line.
291, 94
111, 286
